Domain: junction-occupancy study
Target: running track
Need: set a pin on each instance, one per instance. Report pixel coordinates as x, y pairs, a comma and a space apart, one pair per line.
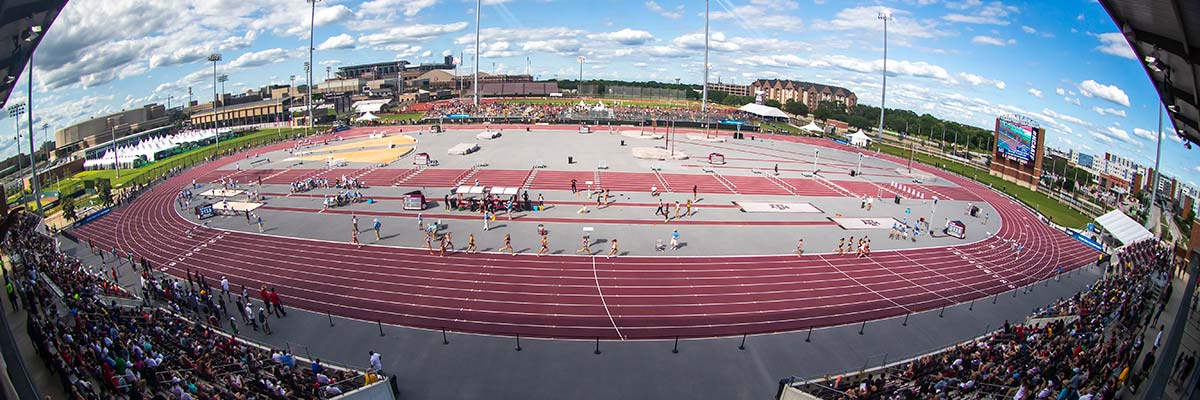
593, 297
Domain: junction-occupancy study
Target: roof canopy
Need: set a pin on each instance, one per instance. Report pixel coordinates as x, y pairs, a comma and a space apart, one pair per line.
812, 127
1163, 35
763, 111
367, 117
1123, 228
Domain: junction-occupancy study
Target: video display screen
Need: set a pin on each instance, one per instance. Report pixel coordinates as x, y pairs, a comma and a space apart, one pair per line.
1015, 141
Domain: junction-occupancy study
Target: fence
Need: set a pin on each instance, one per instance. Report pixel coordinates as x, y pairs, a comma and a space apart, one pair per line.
632, 92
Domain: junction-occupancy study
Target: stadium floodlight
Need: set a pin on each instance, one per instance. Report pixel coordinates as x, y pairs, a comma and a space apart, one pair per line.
579, 88
32, 35
215, 58
312, 25
704, 91
475, 86
884, 15
15, 111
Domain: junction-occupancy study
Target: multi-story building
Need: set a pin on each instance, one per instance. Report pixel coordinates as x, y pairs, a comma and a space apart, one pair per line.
98, 130
391, 68
811, 94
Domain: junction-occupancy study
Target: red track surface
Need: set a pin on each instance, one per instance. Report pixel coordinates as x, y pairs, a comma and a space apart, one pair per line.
585, 297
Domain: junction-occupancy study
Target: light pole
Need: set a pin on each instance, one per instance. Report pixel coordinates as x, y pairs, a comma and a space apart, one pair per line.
222, 79
885, 16
475, 86
33, 34
704, 94
312, 25
1157, 157
189, 103
308, 100
579, 87
15, 111
113, 122
214, 58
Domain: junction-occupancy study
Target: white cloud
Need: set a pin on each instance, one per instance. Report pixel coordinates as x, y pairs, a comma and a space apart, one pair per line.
562, 47
628, 37
769, 14
1060, 91
672, 14
410, 8
1112, 93
254, 59
1114, 43
1144, 134
994, 13
867, 19
342, 41
410, 33
1028, 29
992, 41
1034, 92
976, 80
1066, 117
1109, 111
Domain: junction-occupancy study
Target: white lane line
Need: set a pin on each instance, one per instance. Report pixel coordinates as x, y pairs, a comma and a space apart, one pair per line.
604, 302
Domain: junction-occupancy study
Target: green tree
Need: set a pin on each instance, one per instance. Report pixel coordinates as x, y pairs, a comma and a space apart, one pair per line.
68, 208
772, 103
717, 96
104, 191
796, 108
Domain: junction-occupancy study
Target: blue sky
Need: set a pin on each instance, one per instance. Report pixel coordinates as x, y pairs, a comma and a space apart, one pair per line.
1060, 62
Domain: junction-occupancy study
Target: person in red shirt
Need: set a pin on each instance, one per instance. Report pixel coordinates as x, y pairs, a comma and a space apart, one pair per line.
274, 296
266, 298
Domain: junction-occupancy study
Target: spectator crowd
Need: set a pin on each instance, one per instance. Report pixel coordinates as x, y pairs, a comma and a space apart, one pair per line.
1086, 347
102, 350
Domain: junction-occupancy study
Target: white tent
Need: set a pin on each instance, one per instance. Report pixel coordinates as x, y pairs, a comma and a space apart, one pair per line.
367, 117
1123, 228
812, 127
763, 111
859, 139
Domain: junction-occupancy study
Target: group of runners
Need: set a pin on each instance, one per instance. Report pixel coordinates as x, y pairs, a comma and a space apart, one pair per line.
681, 210
862, 248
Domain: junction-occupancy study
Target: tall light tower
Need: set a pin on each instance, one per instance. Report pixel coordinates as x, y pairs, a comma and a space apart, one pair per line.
884, 15
308, 103
579, 87
222, 79
312, 26
15, 111
704, 95
215, 58
475, 87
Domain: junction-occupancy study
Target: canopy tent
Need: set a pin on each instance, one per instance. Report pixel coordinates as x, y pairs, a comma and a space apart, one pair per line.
1123, 228
764, 111
859, 139
372, 106
367, 117
147, 148
812, 127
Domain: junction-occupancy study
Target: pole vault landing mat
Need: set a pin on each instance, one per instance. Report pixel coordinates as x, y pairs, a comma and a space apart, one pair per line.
776, 207
864, 223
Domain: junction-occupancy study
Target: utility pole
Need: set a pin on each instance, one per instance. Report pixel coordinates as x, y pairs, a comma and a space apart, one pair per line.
704, 100
885, 16
478, 6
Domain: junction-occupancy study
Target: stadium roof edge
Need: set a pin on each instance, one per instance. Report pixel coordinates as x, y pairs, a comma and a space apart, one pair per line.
1165, 38
16, 16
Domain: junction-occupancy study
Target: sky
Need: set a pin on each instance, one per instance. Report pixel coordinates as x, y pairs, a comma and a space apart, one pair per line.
1060, 62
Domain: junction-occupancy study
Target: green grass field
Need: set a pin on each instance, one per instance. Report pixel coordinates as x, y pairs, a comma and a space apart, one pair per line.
1058, 212
401, 117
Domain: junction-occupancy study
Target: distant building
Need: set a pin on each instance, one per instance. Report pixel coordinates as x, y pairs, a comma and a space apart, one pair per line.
811, 94
98, 130
253, 112
391, 68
